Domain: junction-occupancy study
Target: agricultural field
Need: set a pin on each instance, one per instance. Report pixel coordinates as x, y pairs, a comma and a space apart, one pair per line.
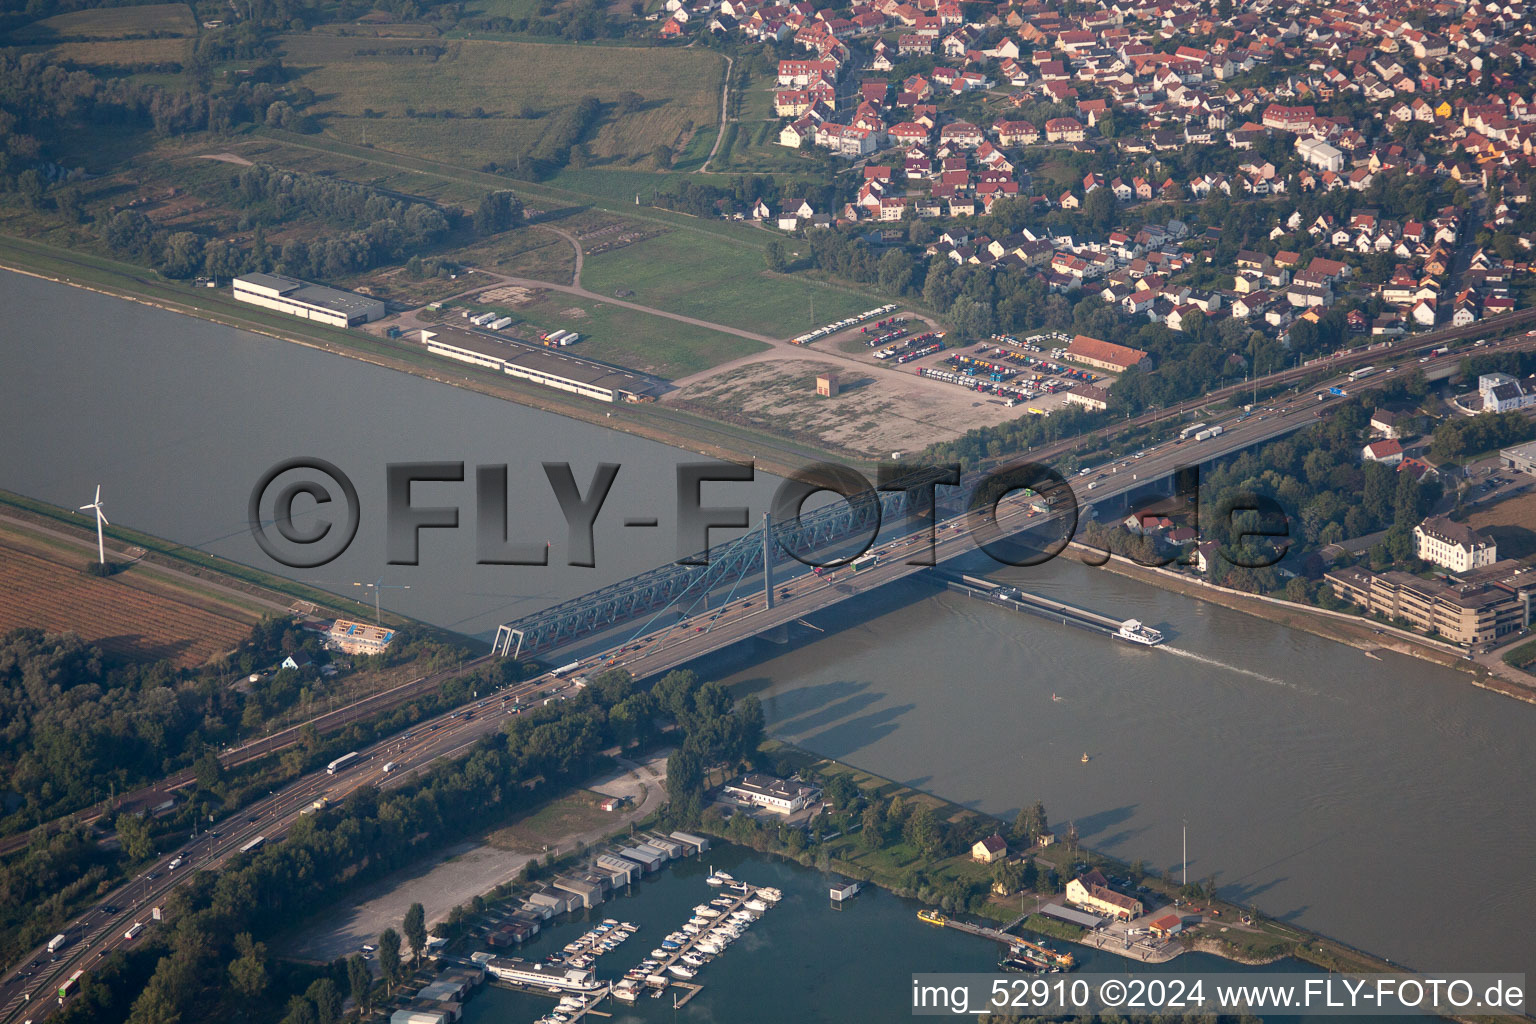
111, 23
502, 8
124, 615
719, 279
124, 52
1509, 523
502, 78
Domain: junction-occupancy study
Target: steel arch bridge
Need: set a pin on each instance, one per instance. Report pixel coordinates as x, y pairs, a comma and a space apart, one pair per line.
682, 584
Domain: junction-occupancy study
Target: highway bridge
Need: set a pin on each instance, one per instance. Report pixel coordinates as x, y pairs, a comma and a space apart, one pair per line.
695, 619
752, 587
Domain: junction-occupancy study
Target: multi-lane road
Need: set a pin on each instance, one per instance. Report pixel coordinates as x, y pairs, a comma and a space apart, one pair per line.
749, 616
29, 992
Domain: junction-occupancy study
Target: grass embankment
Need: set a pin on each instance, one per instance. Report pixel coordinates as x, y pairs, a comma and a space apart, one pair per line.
1522, 657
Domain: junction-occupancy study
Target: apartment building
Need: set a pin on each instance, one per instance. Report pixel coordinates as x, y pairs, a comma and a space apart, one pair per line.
1462, 612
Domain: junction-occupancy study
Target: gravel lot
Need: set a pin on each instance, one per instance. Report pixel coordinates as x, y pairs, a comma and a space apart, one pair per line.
461, 872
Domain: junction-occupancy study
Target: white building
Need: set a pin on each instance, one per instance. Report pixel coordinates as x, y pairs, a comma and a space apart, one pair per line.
1319, 154
1503, 393
309, 301
1455, 546
552, 370
784, 796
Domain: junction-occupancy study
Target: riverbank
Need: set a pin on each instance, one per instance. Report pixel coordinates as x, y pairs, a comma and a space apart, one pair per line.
652, 421
1237, 933
1363, 634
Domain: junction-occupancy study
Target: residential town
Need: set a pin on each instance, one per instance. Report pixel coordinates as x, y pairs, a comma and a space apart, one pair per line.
1313, 113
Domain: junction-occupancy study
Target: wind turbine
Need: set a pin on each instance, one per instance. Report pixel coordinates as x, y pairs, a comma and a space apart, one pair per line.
377, 586
101, 518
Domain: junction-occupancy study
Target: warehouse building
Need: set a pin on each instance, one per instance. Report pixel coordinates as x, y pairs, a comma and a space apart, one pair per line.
310, 301
550, 369
1522, 457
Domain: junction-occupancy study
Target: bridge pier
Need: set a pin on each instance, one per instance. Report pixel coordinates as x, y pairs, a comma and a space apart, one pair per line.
777, 634
768, 558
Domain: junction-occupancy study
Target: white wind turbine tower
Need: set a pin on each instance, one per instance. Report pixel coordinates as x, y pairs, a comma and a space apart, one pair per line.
101, 518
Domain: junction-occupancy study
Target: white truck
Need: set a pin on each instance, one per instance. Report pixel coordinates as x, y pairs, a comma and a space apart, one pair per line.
57, 943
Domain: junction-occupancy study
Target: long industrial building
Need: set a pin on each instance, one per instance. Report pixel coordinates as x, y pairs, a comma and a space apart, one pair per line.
553, 370
310, 301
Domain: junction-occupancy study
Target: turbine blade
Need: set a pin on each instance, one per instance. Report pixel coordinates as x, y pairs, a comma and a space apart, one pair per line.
98, 494
103, 517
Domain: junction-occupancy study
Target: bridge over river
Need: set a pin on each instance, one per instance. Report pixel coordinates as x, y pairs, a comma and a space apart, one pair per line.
753, 586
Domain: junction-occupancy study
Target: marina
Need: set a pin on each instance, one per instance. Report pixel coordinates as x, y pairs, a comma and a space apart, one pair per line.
1130, 630
794, 967
570, 976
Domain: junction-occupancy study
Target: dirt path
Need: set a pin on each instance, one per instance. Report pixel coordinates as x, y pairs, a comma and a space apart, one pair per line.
575, 244
824, 349
571, 289
725, 100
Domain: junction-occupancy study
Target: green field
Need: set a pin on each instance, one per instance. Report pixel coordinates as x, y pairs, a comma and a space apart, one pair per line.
111, 23
680, 86
623, 337
502, 8
718, 279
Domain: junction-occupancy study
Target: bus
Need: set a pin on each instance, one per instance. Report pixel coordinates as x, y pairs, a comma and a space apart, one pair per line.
866, 562
70, 986
340, 763
1364, 371
253, 845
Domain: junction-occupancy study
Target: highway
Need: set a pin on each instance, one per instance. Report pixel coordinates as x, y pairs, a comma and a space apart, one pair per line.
668, 648
28, 992
1402, 349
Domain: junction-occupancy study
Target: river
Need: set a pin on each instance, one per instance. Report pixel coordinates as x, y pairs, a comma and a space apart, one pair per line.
1386, 803
793, 964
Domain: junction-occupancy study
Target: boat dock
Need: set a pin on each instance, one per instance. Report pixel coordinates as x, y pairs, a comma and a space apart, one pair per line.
1013, 597
980, 931
738, 904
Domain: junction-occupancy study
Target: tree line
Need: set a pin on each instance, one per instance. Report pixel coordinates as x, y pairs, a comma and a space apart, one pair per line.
326, 854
